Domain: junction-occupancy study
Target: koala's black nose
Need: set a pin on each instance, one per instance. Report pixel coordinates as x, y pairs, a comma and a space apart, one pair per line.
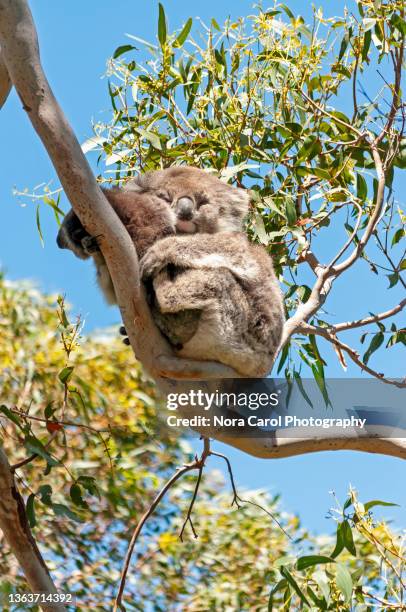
185, 208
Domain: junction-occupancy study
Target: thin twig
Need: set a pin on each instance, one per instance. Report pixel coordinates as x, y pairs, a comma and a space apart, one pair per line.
368, 320
237, 500
201, 463
350, 239
396, 98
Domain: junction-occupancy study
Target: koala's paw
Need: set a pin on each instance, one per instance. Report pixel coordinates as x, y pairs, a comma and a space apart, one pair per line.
123, 332
153, 262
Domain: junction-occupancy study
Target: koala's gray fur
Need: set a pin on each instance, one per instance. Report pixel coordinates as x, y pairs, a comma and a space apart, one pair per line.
202, 203
228, 287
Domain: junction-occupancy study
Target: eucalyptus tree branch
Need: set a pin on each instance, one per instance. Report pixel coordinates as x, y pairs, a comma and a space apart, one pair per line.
396, 97
339, 327
350, 239
325, 112
307, 309
374, 218
5, 82
14, 525
278, 445
328, 334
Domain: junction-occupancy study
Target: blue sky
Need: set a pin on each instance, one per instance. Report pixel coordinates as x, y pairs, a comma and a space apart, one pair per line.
76, 39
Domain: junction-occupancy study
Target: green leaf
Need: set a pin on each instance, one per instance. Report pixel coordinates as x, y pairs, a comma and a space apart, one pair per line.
10, 415
151, 137
45, 493
374, 345
343, 46
301, 388
30, 510
33, 445
76, 496
286, 574
399, 23
310, 560
344, 581
184, 33
62, 510
348, 538
49, 410
398, 235
284, 355
318, 373
378, 502
278, 587
290, 211
362, 189
38, 220
89, 483
215, 25
339, 541
321, 173
65, 374
259, 229
347, 503
366, 45
310, 148
287, 10
393, 279
162, 29
123, 49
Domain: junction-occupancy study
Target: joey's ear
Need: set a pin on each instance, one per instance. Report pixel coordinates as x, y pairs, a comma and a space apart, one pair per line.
133, 184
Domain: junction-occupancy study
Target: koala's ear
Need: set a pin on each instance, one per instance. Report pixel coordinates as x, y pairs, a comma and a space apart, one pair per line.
133, 184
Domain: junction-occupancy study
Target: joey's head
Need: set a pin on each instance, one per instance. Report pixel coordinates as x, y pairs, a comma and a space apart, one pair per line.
201, 202
73, 236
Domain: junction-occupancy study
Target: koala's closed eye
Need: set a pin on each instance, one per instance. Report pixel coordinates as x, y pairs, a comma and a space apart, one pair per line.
164, 195
201, 200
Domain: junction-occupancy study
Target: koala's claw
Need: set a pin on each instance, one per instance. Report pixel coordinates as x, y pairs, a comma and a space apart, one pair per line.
123, 332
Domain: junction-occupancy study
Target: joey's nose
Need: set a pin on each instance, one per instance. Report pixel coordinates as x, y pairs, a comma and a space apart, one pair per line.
185, 208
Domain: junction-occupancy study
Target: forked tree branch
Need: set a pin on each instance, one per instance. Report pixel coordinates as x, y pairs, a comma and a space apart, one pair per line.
328, 334
14, 524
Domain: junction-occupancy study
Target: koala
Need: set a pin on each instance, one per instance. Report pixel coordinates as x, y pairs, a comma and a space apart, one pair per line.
216, 297
213, 295
202, 203
158, 204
